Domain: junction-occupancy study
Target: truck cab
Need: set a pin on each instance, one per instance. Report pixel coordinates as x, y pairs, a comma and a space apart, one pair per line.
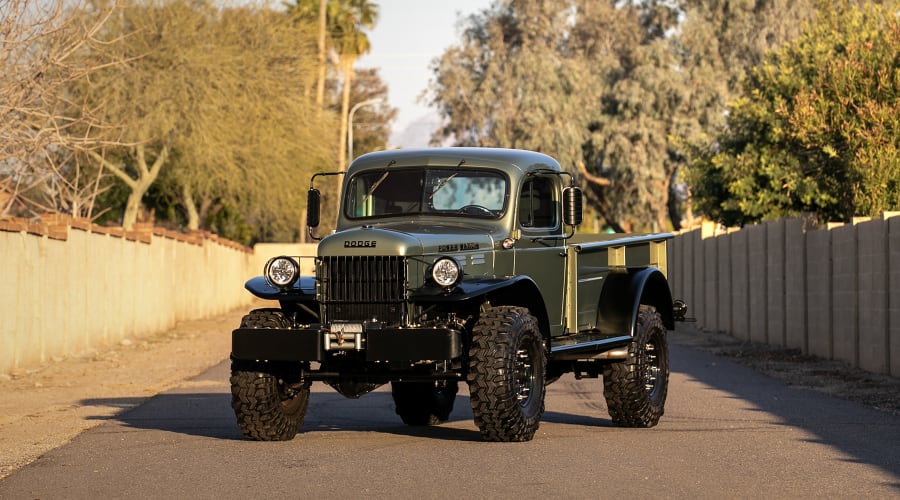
451, 265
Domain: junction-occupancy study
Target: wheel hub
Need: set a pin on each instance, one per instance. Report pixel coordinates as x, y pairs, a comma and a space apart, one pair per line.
651, 370
524, 376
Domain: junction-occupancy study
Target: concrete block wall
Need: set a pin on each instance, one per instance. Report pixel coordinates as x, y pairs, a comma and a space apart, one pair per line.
776, 296
758, 288
831, 292
873, 346
819, 310
844, 272
893, 299
69, 286
724, 283
795, 290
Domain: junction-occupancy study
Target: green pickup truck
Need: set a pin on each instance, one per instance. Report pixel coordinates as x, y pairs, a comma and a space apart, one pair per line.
457, 265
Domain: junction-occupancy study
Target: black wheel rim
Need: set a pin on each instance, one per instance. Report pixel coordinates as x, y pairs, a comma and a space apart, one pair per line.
652, 367
524, 375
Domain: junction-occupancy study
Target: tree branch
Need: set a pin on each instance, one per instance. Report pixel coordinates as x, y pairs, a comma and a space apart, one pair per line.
115, 169
600, 181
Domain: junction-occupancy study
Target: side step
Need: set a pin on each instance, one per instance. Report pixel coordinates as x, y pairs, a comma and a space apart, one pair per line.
589, 346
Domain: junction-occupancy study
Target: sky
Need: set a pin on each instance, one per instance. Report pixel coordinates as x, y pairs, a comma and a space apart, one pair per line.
409, 35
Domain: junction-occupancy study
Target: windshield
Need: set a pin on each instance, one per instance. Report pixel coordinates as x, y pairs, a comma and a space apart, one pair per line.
410, 191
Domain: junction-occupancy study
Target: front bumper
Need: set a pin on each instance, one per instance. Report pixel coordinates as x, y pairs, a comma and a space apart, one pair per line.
317, 344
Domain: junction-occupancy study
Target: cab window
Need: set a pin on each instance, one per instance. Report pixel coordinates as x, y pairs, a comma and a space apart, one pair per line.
538, 204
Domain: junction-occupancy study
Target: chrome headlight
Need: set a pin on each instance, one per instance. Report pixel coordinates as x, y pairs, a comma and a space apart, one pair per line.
446, 271
282, 271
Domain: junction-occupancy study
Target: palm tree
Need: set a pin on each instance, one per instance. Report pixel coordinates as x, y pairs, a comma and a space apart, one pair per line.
348, 19
323, 53
345, 21
316, 10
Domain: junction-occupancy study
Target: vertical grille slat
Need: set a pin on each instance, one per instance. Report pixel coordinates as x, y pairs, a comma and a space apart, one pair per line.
363, 288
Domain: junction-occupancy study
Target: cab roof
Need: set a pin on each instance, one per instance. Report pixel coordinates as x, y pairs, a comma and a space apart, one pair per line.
514, 162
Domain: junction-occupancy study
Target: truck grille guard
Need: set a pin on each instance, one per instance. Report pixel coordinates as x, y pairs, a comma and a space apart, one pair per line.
363, 289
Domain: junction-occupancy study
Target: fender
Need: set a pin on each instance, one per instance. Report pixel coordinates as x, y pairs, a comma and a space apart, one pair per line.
302, 291
467, 290
516, 290
623, 294
299, 301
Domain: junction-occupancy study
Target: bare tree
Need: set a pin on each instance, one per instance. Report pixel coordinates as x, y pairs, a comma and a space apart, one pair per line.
55, 181
39, 43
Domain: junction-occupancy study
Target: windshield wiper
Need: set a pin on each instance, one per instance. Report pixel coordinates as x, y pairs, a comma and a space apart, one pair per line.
378, 183
445, 181
441, 184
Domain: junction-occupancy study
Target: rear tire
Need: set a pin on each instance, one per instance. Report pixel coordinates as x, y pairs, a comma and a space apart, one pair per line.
424, 403
269, 399
507, 368
635, 389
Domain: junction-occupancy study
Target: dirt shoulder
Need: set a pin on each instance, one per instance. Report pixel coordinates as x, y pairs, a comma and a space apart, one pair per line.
47, 407
791, 366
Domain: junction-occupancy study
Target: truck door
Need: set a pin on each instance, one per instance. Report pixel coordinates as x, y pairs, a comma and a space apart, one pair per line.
543, 260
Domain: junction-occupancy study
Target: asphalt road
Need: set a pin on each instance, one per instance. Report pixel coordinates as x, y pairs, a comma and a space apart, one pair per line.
728, 432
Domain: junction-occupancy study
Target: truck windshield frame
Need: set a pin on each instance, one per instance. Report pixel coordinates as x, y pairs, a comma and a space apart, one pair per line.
445, 191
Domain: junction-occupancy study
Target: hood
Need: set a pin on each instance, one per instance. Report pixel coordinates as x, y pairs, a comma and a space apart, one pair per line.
405, 238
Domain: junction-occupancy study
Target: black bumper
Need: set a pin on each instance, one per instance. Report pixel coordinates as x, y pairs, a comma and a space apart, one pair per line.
386, 344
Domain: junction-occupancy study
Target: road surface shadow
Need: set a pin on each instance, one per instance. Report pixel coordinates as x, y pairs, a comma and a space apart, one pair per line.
571, 419
194, 414
867, 436
210, 415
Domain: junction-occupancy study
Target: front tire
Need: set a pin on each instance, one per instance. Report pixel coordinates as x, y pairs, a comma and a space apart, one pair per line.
635, 389
507, 368
269, 399
424, 403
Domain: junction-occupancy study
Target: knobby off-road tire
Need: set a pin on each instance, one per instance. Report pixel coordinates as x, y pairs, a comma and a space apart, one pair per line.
424, 403
635, 389
507, 368
268, 398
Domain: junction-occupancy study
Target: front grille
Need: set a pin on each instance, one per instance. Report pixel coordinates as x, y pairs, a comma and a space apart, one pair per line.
363, 288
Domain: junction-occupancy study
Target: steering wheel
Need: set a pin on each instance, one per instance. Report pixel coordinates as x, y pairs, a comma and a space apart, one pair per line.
475, 210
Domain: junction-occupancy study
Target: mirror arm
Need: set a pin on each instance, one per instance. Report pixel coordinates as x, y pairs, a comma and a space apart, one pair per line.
313, 202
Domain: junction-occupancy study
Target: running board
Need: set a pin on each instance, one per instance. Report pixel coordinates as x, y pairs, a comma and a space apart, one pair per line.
589, 347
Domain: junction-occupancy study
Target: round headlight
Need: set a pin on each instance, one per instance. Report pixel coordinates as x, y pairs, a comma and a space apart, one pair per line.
446, 271
282, 271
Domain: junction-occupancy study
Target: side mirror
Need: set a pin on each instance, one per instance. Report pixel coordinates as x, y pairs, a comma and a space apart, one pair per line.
572, 206
313, 200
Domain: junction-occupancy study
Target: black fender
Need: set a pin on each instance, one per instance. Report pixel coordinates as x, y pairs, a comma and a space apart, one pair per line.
299, 299
513, 291
467, 290
305, 286
623, 294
